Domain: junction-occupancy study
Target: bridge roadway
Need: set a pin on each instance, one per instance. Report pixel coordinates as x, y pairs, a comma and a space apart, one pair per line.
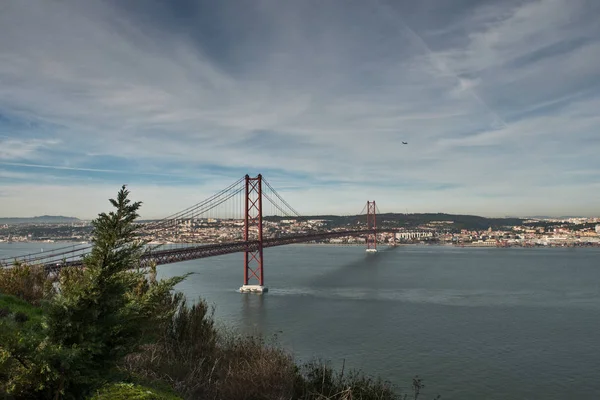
170, 256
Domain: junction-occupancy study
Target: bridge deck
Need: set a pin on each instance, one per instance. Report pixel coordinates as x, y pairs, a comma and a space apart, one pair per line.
170, 256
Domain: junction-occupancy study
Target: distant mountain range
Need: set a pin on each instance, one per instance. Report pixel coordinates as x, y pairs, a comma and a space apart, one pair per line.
44, 219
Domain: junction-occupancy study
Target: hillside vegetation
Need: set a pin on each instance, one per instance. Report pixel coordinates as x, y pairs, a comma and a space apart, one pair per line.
410, 221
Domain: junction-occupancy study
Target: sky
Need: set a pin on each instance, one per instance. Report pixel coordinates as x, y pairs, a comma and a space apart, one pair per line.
498, 101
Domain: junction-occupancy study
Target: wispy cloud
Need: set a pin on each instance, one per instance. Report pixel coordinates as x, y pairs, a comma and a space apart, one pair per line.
497, 100
62, 168
14, 149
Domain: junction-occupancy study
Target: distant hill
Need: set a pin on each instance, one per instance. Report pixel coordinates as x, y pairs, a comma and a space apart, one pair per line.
44, 219
414, 220
458, 221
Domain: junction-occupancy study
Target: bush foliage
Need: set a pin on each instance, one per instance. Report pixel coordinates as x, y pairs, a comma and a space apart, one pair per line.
27, 282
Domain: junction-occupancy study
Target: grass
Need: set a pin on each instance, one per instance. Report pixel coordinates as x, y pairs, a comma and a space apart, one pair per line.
132, 391
13, 306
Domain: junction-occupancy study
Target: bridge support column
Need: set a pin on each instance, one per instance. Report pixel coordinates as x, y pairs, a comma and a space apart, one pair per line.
253, 255
371, 224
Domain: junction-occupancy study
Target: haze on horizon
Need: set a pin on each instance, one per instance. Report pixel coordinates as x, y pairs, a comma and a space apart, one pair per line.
498, 101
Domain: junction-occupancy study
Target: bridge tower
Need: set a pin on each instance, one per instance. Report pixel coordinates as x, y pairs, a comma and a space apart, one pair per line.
371, 224
253, 220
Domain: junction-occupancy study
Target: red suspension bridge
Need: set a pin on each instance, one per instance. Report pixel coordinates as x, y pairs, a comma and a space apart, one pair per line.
247, 217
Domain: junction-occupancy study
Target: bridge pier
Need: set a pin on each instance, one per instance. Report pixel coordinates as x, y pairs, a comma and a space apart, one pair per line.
253, 254
253, 289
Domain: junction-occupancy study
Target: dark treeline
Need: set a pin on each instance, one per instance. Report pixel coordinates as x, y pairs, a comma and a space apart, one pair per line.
471, 222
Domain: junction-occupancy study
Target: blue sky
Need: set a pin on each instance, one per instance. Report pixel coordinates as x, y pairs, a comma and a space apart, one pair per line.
498, 100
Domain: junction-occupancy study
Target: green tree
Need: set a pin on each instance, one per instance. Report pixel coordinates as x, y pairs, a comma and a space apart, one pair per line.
104, 312
99, 314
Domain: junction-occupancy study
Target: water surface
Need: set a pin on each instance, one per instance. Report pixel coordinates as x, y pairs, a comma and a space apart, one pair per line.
481, 323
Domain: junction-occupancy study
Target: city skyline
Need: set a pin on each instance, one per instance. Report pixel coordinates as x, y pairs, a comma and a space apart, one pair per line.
497, 101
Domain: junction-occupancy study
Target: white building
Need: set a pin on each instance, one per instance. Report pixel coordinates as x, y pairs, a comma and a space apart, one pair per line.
413, 235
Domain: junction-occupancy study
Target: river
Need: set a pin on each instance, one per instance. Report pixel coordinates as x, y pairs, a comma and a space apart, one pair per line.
482, 323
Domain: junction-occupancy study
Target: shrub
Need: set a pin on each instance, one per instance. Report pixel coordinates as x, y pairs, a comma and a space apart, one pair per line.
200, 362
183, 352
27, 282
317, 380
251, 369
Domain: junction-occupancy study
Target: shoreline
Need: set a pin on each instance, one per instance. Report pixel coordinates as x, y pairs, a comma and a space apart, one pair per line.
381, 245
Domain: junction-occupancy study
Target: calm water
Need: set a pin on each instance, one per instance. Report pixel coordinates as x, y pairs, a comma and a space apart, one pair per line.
475, 323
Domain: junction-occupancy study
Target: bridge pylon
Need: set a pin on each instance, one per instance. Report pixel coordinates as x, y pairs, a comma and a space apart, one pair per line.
372, 224
253, 253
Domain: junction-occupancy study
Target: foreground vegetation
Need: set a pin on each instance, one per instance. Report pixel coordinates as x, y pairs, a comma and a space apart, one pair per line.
112, 331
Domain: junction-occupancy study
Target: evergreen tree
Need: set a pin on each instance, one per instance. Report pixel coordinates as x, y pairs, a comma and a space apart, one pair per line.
105, 310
